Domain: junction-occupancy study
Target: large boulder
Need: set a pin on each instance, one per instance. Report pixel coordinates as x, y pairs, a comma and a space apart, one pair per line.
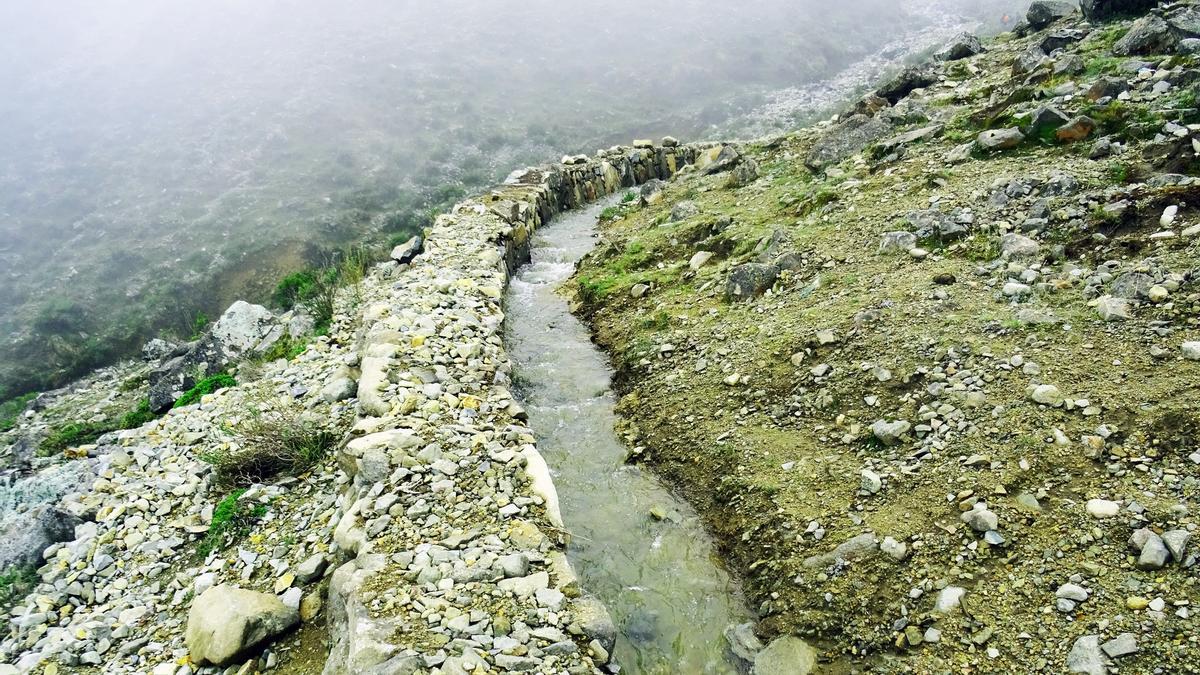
1103, 10
844, 140
1148, 35
749, 281
24, 536
962, 46
1045, 12
243, 330
903, 84
787, 655
226, 623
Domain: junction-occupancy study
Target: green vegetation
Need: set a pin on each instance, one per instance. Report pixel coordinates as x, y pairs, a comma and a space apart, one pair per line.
271, 443
206, 386
199, 324
138, 416
11, 409
1118, 172
73, 434
287, 347
294, 289
232, 520
16, 582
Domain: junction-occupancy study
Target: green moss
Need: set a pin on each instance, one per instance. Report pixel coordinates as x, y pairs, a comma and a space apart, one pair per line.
232, 521
206, 386
72, 435
11, 409
138, 416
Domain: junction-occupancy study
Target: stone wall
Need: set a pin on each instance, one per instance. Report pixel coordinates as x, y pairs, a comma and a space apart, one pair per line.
451, 521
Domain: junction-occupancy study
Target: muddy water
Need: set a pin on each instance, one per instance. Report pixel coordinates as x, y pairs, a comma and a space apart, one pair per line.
669, 596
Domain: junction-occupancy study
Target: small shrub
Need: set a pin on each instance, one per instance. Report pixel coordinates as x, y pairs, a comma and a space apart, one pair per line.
15, 583
199, 324
206, 386
1118, 172
271, 443
287, 347
232, 520
138, 416
628, 197
293, 289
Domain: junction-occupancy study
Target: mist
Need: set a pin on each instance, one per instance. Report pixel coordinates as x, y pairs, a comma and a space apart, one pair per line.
159, 160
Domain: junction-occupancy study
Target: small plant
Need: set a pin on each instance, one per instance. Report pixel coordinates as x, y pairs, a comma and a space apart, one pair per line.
206, 386
15, 583
628, 197
294, 289
232, 520
199, 324
271, 443
11, 410
138, 416
286, 347
1118, 172
660, 321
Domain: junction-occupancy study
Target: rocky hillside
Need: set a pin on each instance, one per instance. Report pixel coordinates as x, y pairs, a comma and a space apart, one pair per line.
929, 369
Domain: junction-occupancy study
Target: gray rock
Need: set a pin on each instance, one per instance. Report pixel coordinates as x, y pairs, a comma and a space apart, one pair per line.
903, 84
1112, 309
25, 535
408, 251
1085, 656
339, 389
243, 328
745, 173
897, 242
961, 46
1044, 120
1176, 542
749, 281
743, 642
1029, 60
157, 349
1013, 245
855, 548
595, 622
787, 655
1000, 139
890, 433
226, 623
1045, 12
1148, 35
871, 482
1122, 645
981, 519
684, 210
1132, 286
1154, 554
311, 569
844, 140
1102, 10
1191, 351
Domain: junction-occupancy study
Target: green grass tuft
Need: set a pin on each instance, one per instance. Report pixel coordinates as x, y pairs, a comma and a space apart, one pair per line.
206, 386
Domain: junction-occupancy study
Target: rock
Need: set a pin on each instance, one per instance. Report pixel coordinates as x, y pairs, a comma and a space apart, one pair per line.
1122, 645
1103, 508
1047, 394
981, 519
1112, 309
700, 259
670, 142
1078, 129
311, 569
1000, 139
684, 210
1029, 60
787, 655
890, 433
1191, 351
1106, 87
949, 599
896, 549
595, 622
855, 548
903, 84
962, 46
844, 140
750, 280
1102, 10
1013, 245
1046, 119
897, 242
871, 482
1073, 592
1045, 12
226, 623
743, 642
157, 349
1148, 35
26, 534
745, 173
1132, 286
243, 328
1154, 554
1085, 655
339, 389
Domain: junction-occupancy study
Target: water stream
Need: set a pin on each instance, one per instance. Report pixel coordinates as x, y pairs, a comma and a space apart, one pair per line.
660, 579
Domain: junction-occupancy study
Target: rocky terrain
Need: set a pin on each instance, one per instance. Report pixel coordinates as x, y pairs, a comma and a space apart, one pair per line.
929, 369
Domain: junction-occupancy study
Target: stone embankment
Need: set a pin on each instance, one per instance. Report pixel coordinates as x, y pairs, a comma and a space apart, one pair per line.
431, 541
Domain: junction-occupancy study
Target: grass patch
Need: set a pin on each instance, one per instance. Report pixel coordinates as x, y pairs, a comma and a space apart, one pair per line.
272, 443
286, 347
138, 416
232, 520
206, 386
72, 435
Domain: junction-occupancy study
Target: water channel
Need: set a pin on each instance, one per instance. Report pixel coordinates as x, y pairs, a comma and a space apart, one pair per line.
660, 579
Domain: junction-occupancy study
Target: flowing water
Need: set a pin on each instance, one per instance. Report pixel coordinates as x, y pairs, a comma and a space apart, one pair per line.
660, 579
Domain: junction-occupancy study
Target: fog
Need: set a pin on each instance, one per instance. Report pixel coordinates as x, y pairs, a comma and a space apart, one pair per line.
160, 159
